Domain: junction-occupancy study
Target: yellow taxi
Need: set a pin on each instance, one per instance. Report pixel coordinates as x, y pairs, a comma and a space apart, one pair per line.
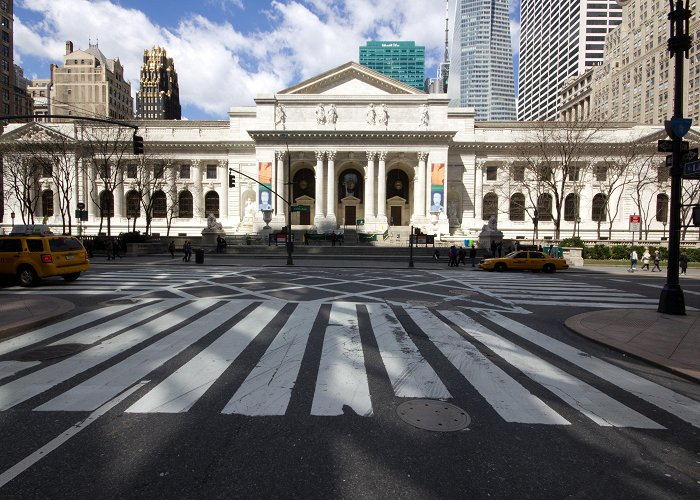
31, 253
525, 260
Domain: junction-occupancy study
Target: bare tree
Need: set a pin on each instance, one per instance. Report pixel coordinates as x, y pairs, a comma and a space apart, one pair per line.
22, 182
646, 180
690, 194
148, 180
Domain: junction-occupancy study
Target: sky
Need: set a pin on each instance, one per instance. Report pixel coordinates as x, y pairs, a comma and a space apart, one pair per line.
226, 52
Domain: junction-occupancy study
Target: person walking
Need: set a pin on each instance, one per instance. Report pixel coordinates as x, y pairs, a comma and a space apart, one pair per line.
171, 249
115, 249
633, 261
452, 257
461, 256
110, 249
657, 259
683, 260
333, 239
187, 249
645, 259
472, 255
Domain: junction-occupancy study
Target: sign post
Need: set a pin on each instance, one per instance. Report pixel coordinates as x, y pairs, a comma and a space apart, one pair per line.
635, 225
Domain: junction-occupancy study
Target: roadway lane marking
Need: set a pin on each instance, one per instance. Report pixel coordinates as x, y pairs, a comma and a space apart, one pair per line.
268, 388
512, 401
599, 407
342, 377
681, 406
52, 445
410, 374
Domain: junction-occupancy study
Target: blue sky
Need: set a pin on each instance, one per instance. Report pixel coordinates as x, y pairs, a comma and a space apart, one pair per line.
227, 51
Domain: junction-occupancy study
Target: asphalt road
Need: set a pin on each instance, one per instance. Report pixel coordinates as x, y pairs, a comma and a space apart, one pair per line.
246, 381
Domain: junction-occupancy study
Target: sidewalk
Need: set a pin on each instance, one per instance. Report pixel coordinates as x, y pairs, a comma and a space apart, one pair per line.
22, 313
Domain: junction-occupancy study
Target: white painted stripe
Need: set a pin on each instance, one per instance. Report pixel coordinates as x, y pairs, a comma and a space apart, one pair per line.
599, 407
410, 374
102, 330
181, 390
681, 406
342, 378
597, 305
50, 331
512, 401
102, 387
268, 388
39, 381
52, 445
9, 368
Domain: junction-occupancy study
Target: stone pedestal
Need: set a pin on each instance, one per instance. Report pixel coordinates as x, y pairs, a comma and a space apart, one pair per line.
490, 233
209, 237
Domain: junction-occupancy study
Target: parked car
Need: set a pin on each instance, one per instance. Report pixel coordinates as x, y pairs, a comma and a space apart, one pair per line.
33, 254
525, 260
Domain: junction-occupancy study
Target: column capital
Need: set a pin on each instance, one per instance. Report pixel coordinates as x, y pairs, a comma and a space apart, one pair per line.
196, 163
480, 164
223, 163
422, 156
279, 155
370, 155
331, 155
320, 155
382, 155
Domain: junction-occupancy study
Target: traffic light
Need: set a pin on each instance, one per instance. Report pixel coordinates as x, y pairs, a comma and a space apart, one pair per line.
138, 145
231, 180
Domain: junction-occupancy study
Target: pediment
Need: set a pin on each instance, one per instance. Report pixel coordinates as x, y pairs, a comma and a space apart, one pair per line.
351, 79
35, 133
396, 200
692, 136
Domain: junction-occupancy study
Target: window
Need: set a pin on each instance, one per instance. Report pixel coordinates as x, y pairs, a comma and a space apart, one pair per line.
571, 207
601, 173
662, 208
598, 208
211, 171
573, 173
490, 206
517, 207
46, 169
105, 171
158, 171
133, 205
106, 204
491, 173
185, 205
211, 203
47, 203
160, 205
544, 207
131, 171
544, 172
518, 173
662, 172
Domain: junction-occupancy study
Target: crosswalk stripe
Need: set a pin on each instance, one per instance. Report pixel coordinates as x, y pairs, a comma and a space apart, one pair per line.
602, 409
268, 388
512, 401
35, 383
681, 406
410, 374
181, 390
342, 378
53, 330
105, 385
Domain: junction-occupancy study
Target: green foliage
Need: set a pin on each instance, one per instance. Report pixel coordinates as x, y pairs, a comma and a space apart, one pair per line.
597, 252
134, 237
575, 242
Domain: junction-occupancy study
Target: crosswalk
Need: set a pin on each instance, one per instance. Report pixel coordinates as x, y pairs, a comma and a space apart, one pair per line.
200, 341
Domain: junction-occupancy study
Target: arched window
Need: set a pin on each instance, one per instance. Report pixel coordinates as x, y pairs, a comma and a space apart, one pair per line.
598, 208
490, 206
47, 203
662, 208
106, 204
571, 205
211, 203
133, 205
517, 207
350, 183
160, 205
304, 184
544, 207
185, 205
397, 184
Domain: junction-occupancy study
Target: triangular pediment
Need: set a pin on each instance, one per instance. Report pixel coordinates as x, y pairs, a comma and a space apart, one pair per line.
351, 79
33, 132
693, 136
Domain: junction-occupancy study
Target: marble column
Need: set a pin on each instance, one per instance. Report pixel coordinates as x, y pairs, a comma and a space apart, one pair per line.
423, 186
381, 188
280, 175
223, 174
119, 195
92, 192
369, 187
330, 191
478, 190
318, 172
198, 194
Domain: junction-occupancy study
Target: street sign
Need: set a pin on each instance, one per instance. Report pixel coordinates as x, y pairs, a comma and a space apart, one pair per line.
669, 161
81, 215
676, 127
635, 222
300, 208
360, 222
666, 146
691, 170
81, 205
690, 155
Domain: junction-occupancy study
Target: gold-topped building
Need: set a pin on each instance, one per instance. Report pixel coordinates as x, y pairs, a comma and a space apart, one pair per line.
159, 96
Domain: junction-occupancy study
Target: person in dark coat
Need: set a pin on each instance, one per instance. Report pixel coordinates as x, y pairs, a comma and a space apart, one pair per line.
472, 255
171, 249
683, 260
493, 248
462, 255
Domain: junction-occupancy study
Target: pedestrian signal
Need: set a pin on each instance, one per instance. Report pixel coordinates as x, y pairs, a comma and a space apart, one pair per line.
231, 180
138, 145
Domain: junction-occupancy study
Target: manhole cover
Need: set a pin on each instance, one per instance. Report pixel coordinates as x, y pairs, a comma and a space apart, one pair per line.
51, 352
433, 415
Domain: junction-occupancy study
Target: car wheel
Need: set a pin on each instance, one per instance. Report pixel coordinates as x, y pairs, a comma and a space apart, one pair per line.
71, 276
549, 268
500, 267
26, 276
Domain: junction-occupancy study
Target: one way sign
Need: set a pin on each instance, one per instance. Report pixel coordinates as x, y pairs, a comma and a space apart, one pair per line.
666, 146
690, 155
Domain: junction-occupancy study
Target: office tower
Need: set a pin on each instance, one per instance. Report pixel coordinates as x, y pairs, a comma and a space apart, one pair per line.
22, 104
91, 85
40, 90
159, 96
438, 85
558, 40
481, 64
403, 61
14, 99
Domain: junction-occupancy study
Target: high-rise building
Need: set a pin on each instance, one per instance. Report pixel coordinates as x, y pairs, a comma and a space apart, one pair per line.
91, 85
22, 104
481, 63
403, 61
438, 85
14, 99
40, 90
558, 40
159, 96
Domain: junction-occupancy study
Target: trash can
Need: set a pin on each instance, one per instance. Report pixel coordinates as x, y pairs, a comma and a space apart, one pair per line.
199, 256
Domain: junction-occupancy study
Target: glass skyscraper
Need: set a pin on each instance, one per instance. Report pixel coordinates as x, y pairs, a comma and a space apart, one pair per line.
403, 61
481, 60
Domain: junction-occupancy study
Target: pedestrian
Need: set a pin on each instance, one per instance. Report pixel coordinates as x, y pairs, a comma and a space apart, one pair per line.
683, 259
187, 249
499, 248
633, 261
436, 254
171, 249
493, 248
461, 256
333, 239
472, 255
657, 259
110, 249
115, 250
452, 257
645, 259
551, 252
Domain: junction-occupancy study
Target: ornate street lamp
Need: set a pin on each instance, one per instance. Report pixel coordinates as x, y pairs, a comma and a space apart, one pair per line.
290, 262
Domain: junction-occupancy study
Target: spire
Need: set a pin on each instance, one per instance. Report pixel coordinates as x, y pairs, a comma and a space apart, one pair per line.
444, 67
447, 31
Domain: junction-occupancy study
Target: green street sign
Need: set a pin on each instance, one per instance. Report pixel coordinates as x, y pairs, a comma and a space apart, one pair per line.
360, 222
81, 215
300, 208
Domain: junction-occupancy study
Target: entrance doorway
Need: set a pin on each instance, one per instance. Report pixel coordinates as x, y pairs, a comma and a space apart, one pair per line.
396, 216
350, 215
305, 217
